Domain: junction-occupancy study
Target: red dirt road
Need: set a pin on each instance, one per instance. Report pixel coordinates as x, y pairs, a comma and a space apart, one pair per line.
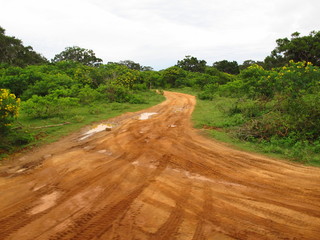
156, 179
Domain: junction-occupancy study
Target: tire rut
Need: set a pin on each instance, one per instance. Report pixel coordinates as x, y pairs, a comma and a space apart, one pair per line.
158, 179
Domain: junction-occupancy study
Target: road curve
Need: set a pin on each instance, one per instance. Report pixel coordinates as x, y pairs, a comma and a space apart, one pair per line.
156, 179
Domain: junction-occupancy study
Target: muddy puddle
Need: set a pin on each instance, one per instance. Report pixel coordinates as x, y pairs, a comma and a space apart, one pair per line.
145, 116
96, 129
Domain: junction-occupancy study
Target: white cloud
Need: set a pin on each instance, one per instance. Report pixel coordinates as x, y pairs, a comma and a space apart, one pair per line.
159, 32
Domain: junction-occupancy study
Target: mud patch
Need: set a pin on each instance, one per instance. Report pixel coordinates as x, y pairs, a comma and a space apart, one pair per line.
195, 176
47, 202
96, 129
105, 151
146, 165
145, 116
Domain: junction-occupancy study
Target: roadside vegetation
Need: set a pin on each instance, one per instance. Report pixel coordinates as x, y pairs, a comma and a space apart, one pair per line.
41, 101
271, 106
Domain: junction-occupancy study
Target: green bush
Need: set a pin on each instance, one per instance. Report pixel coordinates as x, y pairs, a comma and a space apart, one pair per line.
248, 108
48, 84
140, 87
208, 92
47, 106
88, 95
264, 127
95, 109
114, 93
136, 99
9, 108
16, 138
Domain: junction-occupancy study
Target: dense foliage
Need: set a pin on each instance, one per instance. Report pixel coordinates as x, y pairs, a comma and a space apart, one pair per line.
274, 102
9, 106
135, 66
305, 48
227, 67
192, 64
12, 52
77, 54
280, 106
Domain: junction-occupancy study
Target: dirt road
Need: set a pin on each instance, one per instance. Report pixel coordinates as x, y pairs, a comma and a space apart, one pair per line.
156, 179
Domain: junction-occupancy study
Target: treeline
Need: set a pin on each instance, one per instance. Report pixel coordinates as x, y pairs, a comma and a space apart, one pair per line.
13, 52
40, 89
276, 100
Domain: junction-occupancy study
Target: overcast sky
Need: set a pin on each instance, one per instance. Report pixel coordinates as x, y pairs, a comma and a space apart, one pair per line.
157, 33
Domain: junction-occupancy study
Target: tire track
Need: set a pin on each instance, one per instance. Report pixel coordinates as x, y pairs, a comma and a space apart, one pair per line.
159, 180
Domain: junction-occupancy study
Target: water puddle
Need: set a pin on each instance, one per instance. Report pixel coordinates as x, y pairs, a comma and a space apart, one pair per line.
145, 116
96, 129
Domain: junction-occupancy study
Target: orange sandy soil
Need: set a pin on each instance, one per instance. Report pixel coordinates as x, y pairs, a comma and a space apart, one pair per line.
155, 179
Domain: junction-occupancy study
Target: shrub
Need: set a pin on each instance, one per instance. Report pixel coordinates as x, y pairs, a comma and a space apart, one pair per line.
265, 127
136, 99
208, 92
18, 137
140, 87
9, 108
88, 95
248, 108
115, 93
95, 110
47, 106
296, 78
48, 84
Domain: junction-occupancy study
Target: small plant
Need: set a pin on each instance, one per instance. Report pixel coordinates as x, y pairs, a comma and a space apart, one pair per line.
9, 108
95, 109
77, 118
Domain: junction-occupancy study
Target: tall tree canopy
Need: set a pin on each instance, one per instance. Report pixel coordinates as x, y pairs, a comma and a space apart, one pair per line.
298, 48
13, 52
192, 64
227, 67
248, 63
131, 64
135, 66
77, 54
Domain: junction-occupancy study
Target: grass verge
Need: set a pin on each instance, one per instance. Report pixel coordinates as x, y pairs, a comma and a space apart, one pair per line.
212, 117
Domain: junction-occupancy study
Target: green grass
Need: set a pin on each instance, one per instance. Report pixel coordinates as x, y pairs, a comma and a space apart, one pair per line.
25, 135
213, 117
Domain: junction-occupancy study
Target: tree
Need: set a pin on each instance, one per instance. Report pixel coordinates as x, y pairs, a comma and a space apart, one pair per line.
305, 48
77, 54
248, 63
146, 68
13, 52
227, 67
173, 76
131, 65
192, 64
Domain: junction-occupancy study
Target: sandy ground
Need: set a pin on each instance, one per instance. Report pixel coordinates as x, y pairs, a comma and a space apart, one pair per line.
155, 178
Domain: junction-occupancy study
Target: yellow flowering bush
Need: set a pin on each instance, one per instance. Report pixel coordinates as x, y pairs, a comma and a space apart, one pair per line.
9, 107
296, 77
128, 79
